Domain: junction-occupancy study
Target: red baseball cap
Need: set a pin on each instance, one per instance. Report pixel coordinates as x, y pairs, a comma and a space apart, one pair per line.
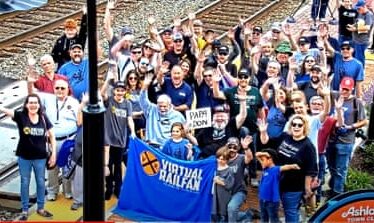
348, 83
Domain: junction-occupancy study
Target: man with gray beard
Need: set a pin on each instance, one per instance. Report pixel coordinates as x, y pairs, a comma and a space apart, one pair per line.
212, 138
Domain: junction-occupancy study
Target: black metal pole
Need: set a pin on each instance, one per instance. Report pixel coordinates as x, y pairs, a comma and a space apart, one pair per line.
93, 133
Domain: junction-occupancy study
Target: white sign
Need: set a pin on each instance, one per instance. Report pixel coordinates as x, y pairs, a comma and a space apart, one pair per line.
199, 118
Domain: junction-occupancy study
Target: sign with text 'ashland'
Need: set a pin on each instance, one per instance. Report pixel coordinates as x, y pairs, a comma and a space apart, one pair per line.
161, 188
199, 118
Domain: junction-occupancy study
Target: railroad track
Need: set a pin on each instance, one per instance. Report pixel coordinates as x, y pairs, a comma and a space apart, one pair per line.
219, 16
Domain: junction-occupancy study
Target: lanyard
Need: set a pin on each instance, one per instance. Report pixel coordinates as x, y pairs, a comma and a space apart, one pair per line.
59, 109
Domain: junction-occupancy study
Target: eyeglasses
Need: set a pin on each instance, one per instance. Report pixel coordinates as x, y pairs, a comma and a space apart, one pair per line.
177, 41
299, 125
133, 78
346, 48
60, 88
243, 77
136, 52
223, 53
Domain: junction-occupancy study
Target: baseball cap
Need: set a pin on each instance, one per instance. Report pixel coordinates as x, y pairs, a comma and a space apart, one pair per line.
303, 40
346, 43
197, 22
135, 46
167, 30
359, 3
223, 49
276, 26
257, 29
119, 84
232, 141
244, 131
177, 36
243, 72
222, 108
316, 68
76, 45
127, 31
348, 83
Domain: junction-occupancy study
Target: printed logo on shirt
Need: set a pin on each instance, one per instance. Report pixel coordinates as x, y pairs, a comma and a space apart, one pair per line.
182, 94
119, 112
349, 14
33, 131
288, 150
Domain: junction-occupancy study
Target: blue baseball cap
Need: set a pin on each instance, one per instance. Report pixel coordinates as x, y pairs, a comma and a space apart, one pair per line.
360, 3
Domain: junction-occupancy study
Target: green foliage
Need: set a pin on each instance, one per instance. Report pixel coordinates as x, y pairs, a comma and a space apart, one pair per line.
358, 180
368, 158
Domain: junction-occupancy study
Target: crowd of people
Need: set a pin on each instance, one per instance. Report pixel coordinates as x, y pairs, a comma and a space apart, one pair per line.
289, 101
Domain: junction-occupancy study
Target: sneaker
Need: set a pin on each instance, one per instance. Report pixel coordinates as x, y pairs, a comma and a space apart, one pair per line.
24, 217
44, 213
76, 206
51, 197
254, 182
68, 196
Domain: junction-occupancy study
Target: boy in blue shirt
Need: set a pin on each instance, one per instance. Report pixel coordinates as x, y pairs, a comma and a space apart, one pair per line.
269, 195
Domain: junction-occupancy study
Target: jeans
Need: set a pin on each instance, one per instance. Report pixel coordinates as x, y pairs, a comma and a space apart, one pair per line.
25, 168
234, 215
77, 185
338, 156
359, 52
291, 205
269, 211
321, 175
319, 8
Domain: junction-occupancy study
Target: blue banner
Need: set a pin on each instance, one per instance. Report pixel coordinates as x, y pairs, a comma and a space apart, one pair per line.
160, 188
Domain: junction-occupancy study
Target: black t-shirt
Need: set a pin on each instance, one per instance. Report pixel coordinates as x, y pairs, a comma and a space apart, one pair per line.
302, 153
346, 16
308, 90
32, 137
210, 140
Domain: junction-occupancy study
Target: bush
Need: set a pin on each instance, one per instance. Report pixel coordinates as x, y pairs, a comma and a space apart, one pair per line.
368, 158
358, 180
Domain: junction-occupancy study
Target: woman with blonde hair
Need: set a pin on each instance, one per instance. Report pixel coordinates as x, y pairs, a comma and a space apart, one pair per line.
296, 148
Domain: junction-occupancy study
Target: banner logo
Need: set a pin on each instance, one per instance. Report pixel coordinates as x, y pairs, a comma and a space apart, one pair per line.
149, 162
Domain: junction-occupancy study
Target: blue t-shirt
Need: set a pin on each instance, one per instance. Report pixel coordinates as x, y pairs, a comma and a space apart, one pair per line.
352, 68
269, 185
77, 75
276, 122
176, 149
302, 78
179, 96
204, 96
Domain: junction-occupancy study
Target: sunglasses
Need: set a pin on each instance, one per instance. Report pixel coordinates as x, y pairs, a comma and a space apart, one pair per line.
133, 78
60, 88
316, 103
232, 147
256, 33
275, 31
208, 75
346, 48
310, 61
136, 52
299, 125
243, 77
144, 63
223, 53
177, 41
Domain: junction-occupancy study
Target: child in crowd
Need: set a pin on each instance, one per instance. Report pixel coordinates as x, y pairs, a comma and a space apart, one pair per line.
180, 145
269, 186
223, 183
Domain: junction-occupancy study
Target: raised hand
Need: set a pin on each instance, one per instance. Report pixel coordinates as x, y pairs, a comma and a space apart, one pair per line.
177, 22
231, 33
191, 16
339, 103
248, 29
262, 125
286, 29
151, 20
241, 20
111, 4
216, 76
31, 60
246, 141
